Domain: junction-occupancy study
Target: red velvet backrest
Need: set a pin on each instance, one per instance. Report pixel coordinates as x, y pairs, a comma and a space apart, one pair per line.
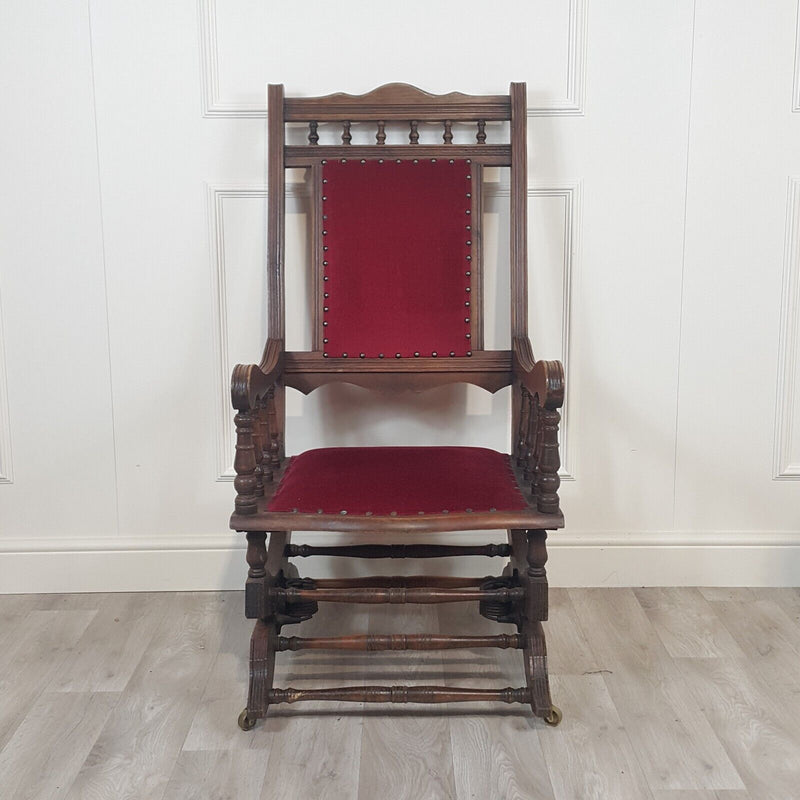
397, 257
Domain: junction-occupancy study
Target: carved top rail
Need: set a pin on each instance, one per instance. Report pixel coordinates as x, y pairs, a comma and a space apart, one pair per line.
398, 101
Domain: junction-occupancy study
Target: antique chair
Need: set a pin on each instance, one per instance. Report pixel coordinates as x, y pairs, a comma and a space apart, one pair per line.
397, 266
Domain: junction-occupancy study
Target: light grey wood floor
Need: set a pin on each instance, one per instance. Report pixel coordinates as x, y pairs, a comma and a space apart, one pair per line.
668, 694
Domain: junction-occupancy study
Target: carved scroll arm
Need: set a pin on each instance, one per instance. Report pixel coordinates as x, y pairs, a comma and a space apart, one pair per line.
543, 379
251, 382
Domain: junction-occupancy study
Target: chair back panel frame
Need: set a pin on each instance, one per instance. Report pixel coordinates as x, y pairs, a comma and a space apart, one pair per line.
394, 102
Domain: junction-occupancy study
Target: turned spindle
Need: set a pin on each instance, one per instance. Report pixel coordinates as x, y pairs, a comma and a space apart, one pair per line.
380, 136
547, 480
481, 135
313, 136
346, 137
245, 464
447, 138
413, 135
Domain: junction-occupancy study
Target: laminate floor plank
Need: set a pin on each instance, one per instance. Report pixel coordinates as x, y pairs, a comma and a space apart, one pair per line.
217, 775
761, 735
589, 755
686, 623
676, 747
406, 754
106, 655
48, 748
716, 593
316, 746
568, 652
495, 747
769, 639
689, 794
33, 660
135, 754
787, 599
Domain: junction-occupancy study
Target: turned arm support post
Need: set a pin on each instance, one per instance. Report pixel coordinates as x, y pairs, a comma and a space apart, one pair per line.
542, 394
258, 442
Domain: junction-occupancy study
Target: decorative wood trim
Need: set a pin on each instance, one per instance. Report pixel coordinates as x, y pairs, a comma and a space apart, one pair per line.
6, 468
786, 463
216, 197
213, 106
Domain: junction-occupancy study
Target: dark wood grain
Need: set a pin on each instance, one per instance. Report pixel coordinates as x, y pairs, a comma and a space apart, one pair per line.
399, 641
399, 550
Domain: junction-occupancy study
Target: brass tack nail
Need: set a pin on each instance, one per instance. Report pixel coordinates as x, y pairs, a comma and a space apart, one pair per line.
492, 509
433, 161
416, 161
325, 341
294, 511
368, 514
445, 511
325, 248
324, 197
380, 161
468, 336
466, 319
324, 216
362, 355
468, 289
469, 176
469, 194
469, 352
325, 322
452, 162
344, 161
468, 242
324, 263
469, 227
434, 354
324, 277
469, 161
468, 211
326, 294
324, 180
319, 511
324, 233
392, 513
342, 511
324, 161
452, 353
468, 510
397, 355
324, 355
363, 160
420, 512
469, 258
344, 355
399, 160
380, 355
467, 303
416, 355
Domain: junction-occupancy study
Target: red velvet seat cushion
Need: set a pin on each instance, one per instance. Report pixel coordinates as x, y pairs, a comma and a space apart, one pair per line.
396, 240
403, 480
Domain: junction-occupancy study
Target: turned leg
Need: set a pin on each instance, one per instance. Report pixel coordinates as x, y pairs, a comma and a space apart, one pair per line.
535, 649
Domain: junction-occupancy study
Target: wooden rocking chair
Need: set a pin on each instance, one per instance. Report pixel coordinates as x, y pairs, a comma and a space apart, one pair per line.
397, 268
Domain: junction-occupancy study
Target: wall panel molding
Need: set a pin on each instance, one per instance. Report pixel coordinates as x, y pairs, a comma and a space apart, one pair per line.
796, 82
6, 468
215, 106
787, 463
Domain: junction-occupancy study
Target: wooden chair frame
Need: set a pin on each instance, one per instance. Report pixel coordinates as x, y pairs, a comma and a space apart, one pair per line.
275, 594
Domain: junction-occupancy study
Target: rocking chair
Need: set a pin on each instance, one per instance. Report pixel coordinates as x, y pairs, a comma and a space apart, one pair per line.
397, 268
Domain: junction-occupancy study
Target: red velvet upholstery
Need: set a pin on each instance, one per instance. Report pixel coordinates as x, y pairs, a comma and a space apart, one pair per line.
396, 257
401, 480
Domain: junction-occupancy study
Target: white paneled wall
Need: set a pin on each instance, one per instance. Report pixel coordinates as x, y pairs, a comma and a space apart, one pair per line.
664, 221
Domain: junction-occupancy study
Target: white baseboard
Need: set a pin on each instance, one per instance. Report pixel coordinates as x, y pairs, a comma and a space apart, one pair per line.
576, 559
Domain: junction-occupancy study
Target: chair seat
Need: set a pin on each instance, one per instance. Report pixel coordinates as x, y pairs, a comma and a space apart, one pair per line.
398, 481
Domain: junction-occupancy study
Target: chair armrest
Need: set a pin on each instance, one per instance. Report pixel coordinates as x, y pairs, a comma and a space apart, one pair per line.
543, 379
251, 382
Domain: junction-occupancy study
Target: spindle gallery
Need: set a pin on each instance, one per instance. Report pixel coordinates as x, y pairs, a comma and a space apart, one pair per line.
368, 333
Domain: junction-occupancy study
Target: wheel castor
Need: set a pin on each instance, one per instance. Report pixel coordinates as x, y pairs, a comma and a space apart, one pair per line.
554, 717
246, 722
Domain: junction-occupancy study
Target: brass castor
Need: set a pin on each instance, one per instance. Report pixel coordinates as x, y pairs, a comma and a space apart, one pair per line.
246, 722
554, 717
